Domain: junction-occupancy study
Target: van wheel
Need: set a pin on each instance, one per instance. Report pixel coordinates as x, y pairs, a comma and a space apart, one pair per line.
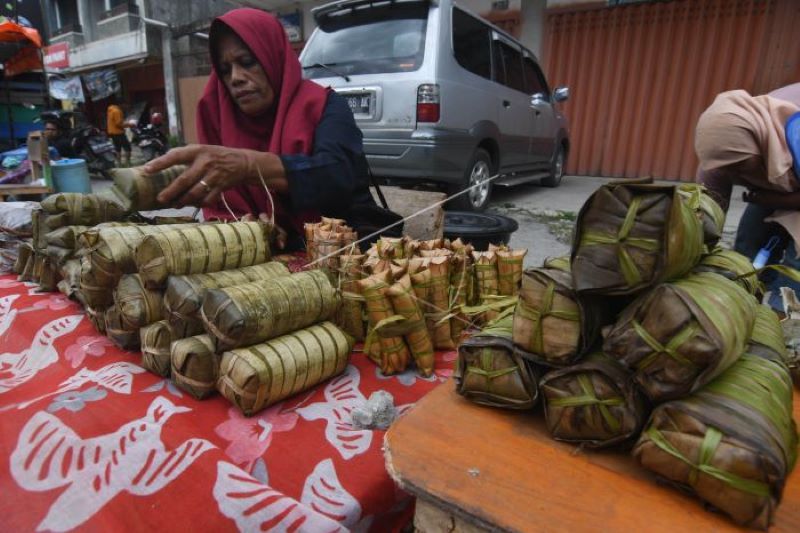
476, 178
557, 170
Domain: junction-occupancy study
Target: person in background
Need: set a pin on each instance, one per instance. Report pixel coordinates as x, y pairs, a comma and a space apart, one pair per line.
263, 127
115, 127
742, 140
58, 138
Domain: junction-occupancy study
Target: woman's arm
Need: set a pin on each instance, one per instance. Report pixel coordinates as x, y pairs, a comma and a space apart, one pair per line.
789, 201
325, 180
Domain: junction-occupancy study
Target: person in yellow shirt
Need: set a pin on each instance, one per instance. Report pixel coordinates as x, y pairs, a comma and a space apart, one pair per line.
116, 130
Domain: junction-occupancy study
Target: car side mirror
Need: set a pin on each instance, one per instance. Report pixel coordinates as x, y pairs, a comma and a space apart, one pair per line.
561, 94
538, 99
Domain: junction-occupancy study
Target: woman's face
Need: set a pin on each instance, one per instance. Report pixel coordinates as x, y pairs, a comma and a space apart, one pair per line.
244, 77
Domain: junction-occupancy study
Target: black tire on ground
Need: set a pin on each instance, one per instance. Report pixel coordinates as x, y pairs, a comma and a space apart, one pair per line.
479, 170
557, 170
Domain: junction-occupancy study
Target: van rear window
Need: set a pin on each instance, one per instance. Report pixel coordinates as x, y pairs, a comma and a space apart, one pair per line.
369, 41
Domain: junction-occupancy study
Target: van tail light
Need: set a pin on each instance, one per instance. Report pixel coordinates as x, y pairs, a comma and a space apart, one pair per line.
428, 103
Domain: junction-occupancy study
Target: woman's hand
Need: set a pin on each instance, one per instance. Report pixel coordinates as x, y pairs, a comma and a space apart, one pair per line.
214, 169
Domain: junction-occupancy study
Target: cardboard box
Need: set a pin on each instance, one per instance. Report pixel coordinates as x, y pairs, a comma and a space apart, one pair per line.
39, 157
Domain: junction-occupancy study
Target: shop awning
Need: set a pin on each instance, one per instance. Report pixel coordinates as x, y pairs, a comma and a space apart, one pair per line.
19, 48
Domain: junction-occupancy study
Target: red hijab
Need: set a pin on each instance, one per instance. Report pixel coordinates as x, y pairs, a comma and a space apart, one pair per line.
287, 129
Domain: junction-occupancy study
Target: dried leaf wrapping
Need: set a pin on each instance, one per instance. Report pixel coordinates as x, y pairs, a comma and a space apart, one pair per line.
125, 338
49, 275
490, 370
141, 189
440, 301
183, 296
419, 342
69, 209
195, 366
24, 252
733, 443
547, 318
350, 316
682, 334
767, 339
202, 249
593, 403
27, 270
156, 340
71, 278
66, 237
394, 355
629, 237
711, 214
733, 266
39, 230
258, 376
486, 280
460, 276
111, 256
254, 312
509, 271
97, 318
138, 305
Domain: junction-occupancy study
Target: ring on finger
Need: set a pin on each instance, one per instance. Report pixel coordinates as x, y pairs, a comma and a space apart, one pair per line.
205, 185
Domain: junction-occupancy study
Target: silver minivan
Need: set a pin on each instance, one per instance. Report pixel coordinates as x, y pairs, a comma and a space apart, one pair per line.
440, 94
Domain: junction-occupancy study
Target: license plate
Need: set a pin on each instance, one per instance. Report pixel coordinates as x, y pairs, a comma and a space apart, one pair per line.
360, 103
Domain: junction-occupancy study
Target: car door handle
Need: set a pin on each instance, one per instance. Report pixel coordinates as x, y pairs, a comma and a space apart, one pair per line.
506, 103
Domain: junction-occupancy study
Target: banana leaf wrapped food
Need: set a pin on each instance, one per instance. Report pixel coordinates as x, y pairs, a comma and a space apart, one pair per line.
491, 371
195, 366
711, 214
141, 189
460, 278
66, 237
49, 275
258, 376
509, 271
200, 249
733, 266
389, 352
183, 297
486, 281
548, 318
111, 256
125, 338
629, 237
350, 316
682, 334
39, 230
70, 278
59, 255
254, 312
733, 443
156, 340
97, 318
24, 253
594, 403
27, 270
419, 342
68, 209
767, 339
138, 305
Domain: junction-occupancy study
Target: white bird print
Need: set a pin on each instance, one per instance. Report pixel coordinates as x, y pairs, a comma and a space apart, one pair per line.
341, 397
7, 314
324, 493
133, 459
117, 377
17, 368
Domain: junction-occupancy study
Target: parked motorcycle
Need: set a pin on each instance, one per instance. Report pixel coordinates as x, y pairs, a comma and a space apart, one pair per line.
149, 138
88, 142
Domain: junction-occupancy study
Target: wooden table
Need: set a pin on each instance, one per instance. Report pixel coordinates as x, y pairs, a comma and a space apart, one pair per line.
474, 468
14, 188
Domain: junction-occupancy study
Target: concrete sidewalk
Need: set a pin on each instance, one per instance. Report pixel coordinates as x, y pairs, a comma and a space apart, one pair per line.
546, 216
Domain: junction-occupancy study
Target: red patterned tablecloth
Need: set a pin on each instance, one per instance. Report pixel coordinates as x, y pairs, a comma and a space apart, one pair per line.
91, 441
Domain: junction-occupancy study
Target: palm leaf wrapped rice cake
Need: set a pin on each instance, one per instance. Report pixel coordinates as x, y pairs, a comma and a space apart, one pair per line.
156, 340
125, 338
509, 271
111, 256
195, 366
70, 282
681, 335
140, 189
254, 312
202, 249
491, 371
733, 443
709, 211
24, 252
733, 266
138, 305
594, 403
387, 350
66, 237
183, 297
69, 209
258, 376
767, 339
350, 316
631, 237
419, 342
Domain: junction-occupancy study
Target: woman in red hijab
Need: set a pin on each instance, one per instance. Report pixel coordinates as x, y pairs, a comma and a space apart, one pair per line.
262, 126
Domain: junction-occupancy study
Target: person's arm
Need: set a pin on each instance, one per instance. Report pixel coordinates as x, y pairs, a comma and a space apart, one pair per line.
789, 201
325, 180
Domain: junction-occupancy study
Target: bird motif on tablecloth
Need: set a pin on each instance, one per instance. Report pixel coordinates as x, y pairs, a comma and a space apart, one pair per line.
17, 368
7, 313
133, 459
